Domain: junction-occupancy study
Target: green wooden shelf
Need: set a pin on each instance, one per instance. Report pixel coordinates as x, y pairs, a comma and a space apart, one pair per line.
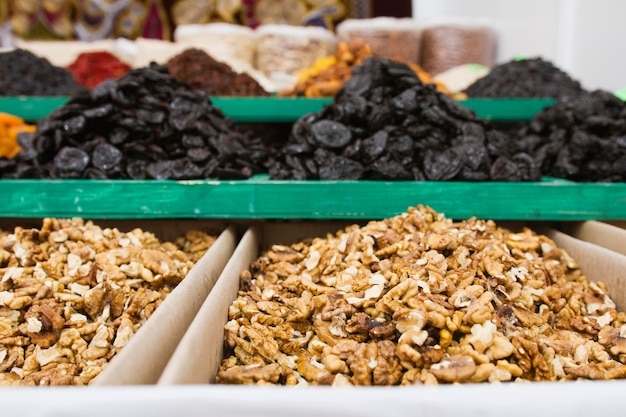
507, 109
268, 109
261, 198
285, 109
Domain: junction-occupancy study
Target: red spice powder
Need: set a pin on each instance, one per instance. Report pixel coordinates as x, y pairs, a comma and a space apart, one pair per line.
92, 68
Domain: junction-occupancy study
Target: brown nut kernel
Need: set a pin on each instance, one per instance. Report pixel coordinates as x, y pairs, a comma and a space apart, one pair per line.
66, 305
418, 298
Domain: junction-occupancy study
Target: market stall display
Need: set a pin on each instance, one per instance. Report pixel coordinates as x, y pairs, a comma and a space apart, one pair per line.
405, 297
420, 299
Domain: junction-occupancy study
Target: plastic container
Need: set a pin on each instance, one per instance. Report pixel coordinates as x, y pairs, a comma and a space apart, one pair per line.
223, 41
447, 45
388, 37
284, 49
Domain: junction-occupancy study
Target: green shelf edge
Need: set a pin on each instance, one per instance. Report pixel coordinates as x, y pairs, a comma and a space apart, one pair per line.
261, 198
285, 109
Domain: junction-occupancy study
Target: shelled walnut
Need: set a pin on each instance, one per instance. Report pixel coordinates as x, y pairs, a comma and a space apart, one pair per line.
420, 299
73, 294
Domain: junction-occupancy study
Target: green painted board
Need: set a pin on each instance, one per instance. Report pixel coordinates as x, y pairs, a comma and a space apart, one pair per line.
285, 109
261, 198
268, 109
507, 109
31, 108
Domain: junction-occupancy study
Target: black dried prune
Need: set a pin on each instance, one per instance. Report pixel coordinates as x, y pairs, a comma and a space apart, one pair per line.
359, 84
95, 174
192, 141
442, 166
499, 144
474, 154
405, 101
118, 136
401, 146
388, 170
350, 108
503, 169
160, 170
26, 171
44, 146
198, 154
98, 112
353, 150
297, 149
527, 166
151, 116
26, 142
106, 157
7, 165
332, 167
468, 174
183, 169
379, 117
204, 128
374, 146
75, 125
297, 166
70, 162
136, 169
330, 134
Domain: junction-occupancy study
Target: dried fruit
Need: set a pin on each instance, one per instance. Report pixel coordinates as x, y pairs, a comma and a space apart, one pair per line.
201, 72
328, 74
533, 77
10, 127
24, 74
385, 124
580, 138
143, 125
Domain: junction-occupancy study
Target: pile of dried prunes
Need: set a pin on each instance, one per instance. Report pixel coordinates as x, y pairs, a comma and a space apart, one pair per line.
385, 124
581, 139
23, 73
534, 77
145, 125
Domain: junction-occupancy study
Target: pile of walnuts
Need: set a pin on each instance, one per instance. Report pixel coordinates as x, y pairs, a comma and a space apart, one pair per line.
73, 294
420, 299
